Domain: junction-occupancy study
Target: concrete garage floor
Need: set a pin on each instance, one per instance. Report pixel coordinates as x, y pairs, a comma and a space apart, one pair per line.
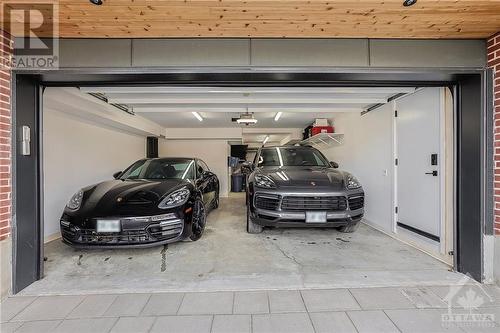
226, 258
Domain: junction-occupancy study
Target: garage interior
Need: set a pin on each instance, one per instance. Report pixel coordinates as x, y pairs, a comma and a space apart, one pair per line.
406, 238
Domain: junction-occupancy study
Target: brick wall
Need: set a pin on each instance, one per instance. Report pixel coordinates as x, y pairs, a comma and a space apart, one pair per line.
5, 138
494, 62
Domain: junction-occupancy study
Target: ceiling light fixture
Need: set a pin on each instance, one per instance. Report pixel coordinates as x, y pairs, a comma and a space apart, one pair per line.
277, 116
265, 140
96, 2
246, 119
197, 115
408, 3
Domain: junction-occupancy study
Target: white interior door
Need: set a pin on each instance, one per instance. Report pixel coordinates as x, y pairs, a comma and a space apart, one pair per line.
418, 150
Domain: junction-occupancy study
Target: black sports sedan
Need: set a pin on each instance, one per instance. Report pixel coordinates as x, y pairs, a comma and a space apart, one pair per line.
154, 201
296, 186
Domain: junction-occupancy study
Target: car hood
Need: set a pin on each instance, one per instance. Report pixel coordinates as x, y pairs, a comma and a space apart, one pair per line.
307, 177
127, 197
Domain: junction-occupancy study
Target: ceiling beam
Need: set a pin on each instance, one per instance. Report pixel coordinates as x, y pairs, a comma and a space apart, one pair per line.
321, 108
245, 101
243, 90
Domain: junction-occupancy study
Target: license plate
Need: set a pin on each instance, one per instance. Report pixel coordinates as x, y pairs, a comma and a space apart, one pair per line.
108, 225
315, 217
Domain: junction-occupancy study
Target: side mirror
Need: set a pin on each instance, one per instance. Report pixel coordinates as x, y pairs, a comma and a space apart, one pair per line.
206, 174
334, 165
117, 175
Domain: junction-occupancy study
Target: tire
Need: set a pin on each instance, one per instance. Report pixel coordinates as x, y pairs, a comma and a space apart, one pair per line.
252, 228
350, 227
199, 220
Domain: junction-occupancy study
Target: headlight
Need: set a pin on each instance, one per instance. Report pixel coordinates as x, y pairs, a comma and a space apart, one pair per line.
264, 181
352, 182
76, 201
174, 199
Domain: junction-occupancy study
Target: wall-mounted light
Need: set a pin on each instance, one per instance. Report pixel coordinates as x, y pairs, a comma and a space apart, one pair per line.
96, 2
265, 140
278, 116
408, 3
197, 115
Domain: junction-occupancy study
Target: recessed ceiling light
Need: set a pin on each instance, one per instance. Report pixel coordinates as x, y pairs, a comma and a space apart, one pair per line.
96, 2
408, 3
265, 140
277, 116
197, 115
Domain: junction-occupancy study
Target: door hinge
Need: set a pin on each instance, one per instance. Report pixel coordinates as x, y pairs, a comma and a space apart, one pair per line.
396, 161
395, 113
396, 209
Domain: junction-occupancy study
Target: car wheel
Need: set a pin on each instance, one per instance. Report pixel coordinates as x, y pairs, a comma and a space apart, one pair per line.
252, 228
199, 220
349, 228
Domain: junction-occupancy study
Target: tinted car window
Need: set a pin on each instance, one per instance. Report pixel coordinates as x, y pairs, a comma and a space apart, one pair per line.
133, 171
269, 157
280, 156
160, 169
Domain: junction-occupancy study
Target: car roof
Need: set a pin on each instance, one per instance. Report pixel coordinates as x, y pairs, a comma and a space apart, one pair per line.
295, 147
174, 159
171, 158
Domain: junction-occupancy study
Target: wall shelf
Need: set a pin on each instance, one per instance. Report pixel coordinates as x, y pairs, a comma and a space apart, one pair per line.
324, 139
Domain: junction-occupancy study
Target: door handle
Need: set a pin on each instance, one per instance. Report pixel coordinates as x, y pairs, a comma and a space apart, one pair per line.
433, 173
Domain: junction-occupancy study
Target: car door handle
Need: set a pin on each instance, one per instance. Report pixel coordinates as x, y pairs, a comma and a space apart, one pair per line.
433, 173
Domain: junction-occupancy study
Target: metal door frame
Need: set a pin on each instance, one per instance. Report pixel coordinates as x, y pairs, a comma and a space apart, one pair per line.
474, 159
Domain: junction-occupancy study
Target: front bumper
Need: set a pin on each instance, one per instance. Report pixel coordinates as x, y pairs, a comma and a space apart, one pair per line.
297, 218
268, 218
138, 232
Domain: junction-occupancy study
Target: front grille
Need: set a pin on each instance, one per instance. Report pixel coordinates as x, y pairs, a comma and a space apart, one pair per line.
267, 201
337, 203
152, 233
356, 202
166, 231
129, 237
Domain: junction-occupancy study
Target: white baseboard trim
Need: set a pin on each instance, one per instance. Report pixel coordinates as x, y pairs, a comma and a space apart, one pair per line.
52, 237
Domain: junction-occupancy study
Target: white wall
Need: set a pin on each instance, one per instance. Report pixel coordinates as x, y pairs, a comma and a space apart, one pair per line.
367, 154
212, 152
79, 104
78, 153
251, 155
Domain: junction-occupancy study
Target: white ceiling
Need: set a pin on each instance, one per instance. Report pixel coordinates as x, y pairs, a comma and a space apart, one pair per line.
172, 106
221, 119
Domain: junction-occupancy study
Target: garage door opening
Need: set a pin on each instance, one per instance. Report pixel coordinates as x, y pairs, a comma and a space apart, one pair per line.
399, 142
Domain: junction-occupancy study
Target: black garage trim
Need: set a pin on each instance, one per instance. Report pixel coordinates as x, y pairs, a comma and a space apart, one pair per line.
419, 232
378, 105
468, 86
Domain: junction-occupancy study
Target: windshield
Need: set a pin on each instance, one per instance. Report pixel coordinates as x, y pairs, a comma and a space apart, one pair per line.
162, 168
280, 156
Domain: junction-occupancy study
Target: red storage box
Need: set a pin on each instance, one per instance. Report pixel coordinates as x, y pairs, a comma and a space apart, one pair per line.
321, 129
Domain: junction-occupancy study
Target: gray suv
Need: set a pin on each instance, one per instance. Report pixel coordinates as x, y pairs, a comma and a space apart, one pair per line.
296, 186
